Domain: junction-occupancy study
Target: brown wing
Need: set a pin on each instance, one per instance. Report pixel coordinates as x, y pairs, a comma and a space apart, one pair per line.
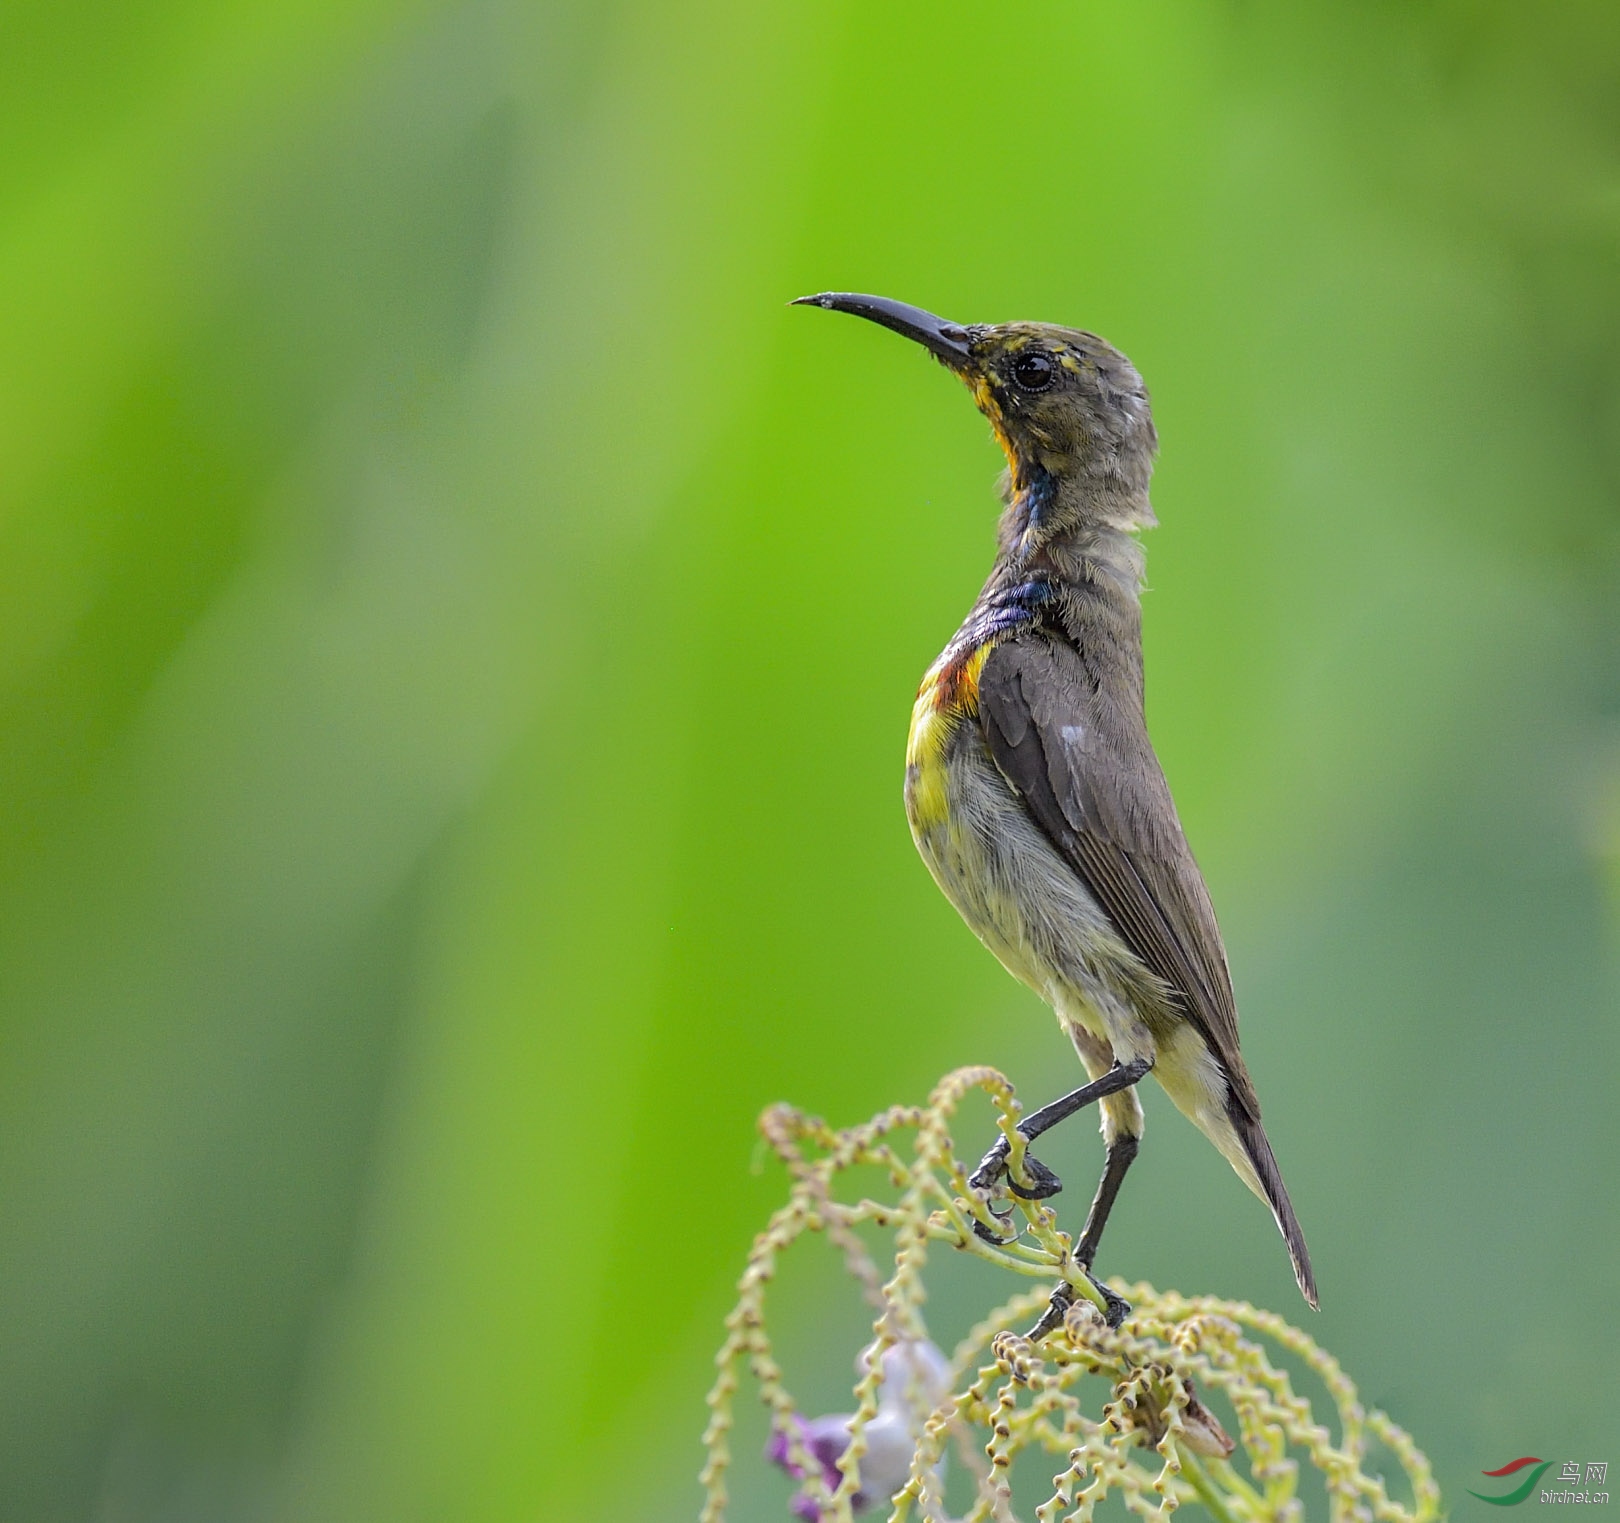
1082, 761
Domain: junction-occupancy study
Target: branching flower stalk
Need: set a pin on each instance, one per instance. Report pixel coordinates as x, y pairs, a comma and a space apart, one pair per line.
1137, 1431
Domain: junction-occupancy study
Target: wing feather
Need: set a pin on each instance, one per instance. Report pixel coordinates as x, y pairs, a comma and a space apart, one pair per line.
1086, 770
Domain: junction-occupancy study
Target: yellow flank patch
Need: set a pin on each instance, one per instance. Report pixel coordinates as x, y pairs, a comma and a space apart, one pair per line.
949, 694
926, 803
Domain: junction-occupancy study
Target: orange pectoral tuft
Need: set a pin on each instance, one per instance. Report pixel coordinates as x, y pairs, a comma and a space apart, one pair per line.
956, 686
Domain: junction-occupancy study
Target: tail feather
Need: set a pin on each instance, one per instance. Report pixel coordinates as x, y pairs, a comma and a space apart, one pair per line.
1253, 1137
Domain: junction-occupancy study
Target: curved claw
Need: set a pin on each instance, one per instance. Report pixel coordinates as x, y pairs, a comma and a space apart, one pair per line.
1118, 1308
992, 1170
1042, 1181
984, 1234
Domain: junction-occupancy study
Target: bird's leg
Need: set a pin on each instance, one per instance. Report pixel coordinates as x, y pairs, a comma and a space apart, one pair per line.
1043, 1181
1121, 1152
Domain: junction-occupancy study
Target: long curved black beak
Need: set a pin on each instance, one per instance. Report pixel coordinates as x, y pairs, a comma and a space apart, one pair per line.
949, 341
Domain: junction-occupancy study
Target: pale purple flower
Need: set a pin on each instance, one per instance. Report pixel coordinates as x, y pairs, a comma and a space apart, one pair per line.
915, 1381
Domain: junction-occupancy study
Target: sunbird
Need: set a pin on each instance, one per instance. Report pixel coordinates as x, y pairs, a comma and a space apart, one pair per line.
1032, 788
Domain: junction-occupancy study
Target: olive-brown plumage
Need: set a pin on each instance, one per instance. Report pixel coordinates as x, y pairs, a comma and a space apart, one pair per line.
1032, 787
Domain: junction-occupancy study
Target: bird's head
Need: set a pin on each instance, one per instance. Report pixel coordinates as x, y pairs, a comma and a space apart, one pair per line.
1068, 408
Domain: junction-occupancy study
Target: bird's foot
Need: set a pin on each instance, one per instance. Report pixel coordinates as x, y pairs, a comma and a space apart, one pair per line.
1115, 1307
1056, 1310
988, 1234
1042, 1182
1038, 1183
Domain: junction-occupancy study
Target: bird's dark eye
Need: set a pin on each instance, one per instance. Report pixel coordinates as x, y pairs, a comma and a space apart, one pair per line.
1034, 372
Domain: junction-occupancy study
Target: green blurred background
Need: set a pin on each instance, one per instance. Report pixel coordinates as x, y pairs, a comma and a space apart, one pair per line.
457, 632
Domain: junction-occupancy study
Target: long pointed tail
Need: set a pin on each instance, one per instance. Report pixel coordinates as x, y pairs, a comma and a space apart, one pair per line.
1253, 1137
